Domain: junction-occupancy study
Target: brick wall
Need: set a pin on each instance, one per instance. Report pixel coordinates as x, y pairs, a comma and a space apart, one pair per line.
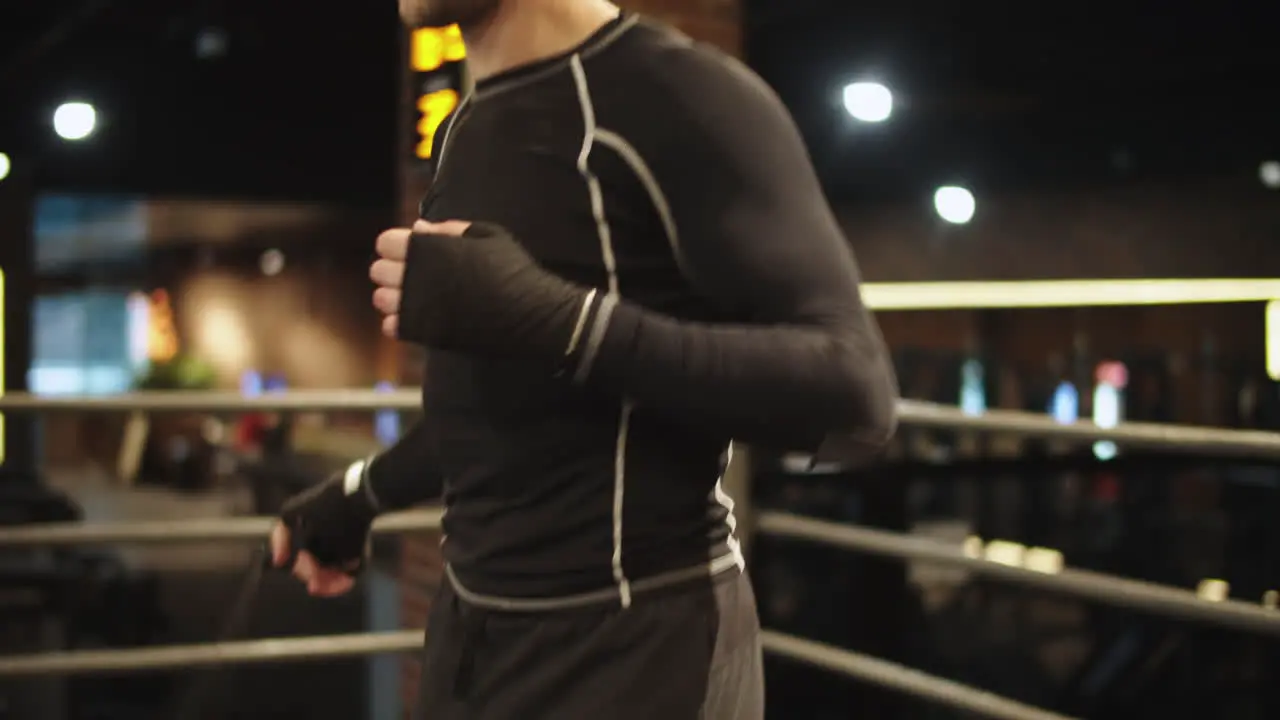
714, 21
1187, 229
1190, 228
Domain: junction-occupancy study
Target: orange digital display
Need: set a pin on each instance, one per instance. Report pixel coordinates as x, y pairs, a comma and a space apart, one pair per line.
430, 51
433, 108
431, 48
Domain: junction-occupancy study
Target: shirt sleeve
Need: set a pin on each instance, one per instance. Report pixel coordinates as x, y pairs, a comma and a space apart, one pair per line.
753, 232
405, 474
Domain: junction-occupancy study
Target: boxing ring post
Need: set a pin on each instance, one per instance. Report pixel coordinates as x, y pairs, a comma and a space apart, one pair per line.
17, 292
894, 544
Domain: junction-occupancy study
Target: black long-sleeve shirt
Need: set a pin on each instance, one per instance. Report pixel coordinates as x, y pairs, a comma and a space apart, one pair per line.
671, 179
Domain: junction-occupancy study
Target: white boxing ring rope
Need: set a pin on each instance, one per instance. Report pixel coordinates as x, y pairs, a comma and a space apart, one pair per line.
905, 680
1248, 443
168, 532
1097, 587
1131, 594
311, 649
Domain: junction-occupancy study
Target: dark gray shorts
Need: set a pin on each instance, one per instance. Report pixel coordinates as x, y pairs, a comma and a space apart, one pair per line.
690, 652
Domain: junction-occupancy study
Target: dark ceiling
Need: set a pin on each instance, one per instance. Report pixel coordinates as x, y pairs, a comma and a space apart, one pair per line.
1011, 94
302, 103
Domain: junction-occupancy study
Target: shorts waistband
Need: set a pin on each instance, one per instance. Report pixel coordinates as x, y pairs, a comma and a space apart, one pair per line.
720, 565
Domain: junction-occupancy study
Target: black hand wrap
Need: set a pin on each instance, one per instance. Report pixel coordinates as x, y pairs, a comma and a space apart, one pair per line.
331, 524
483, 293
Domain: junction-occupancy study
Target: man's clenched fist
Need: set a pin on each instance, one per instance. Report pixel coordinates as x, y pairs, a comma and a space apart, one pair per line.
324, 531
472, 288
387, 272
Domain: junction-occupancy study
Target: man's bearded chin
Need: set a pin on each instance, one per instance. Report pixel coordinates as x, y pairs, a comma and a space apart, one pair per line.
442, 13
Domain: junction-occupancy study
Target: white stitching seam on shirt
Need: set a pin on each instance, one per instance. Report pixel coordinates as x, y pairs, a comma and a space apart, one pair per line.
611, 268
635, 161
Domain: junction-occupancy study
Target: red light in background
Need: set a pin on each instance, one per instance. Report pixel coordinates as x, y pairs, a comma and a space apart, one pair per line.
1112, 373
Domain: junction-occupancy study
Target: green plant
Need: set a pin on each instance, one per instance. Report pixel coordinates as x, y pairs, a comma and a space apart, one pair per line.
181, 373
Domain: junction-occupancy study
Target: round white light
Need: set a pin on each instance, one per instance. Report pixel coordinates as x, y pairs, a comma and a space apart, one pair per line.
1269, 174
954, 204
271, 263
211, 43
75, 120
868, 102
6, 165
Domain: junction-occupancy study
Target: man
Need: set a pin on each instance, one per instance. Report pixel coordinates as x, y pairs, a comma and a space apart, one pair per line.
625, 262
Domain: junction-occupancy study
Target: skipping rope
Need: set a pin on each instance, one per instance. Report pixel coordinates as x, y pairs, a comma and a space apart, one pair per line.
199, 701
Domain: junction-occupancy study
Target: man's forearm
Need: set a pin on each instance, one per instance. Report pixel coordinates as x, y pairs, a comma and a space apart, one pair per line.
404, 475
808, 380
